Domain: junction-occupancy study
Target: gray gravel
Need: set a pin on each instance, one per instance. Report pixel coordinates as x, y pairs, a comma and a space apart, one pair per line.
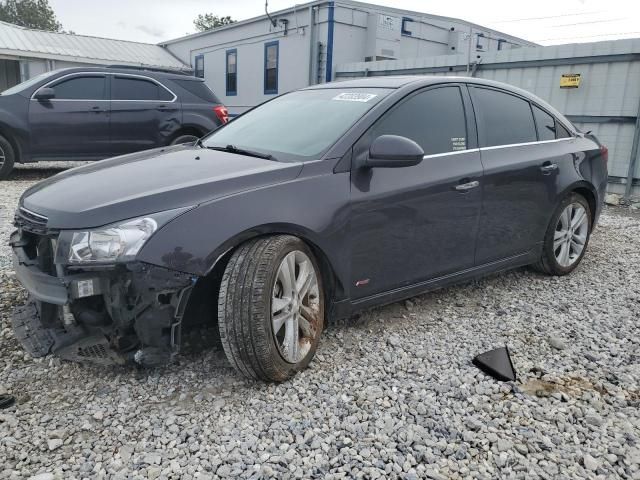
391, 394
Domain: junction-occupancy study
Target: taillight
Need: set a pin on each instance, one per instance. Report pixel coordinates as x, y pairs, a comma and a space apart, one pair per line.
604, 152
222, 113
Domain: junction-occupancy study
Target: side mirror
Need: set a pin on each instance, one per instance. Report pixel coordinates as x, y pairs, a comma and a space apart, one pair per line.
393, 151
46, 93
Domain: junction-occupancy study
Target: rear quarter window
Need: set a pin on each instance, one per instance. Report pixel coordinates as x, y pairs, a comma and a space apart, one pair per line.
561, 132
549, 127
198, 89
546, 124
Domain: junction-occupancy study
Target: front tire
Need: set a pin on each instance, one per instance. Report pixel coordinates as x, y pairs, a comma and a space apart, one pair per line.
567, 236
7, 158
271, 308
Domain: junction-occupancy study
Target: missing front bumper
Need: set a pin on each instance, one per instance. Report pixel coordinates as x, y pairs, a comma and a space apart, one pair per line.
109, 316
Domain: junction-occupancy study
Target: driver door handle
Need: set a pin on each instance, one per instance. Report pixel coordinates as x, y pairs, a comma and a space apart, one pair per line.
465, 187
548, 168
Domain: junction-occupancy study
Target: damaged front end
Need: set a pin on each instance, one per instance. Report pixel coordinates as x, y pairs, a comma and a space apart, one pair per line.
105, 314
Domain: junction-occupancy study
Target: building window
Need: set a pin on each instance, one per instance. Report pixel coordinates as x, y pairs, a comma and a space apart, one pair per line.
199, 66
232, 72
404, 29
271, 68
480, 42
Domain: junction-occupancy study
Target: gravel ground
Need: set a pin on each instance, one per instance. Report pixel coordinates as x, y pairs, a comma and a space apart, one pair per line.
391, 394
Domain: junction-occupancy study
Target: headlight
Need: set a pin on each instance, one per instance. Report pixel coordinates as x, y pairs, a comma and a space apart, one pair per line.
116, 244
113, 243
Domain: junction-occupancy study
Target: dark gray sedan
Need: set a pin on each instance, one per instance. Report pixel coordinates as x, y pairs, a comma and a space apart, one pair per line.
317, 204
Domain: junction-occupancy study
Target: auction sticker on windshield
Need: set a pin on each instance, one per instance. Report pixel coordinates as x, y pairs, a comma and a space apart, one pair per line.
355, 97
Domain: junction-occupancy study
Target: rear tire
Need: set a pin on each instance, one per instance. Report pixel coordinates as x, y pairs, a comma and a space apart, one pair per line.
567, 236
271, 314
7, 158
184, 139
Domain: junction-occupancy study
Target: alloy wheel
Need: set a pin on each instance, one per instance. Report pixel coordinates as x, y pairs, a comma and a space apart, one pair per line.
571, 234
295, 306
1, 157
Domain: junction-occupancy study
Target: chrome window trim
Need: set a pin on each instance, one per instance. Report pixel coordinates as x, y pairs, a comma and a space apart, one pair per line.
495, 147
97, 74
175, 97
448, 154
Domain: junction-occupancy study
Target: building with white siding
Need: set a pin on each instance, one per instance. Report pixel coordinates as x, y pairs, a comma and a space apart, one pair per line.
250, 61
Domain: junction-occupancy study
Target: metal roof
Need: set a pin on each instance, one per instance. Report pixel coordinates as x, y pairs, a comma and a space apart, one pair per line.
298, 7
25, 42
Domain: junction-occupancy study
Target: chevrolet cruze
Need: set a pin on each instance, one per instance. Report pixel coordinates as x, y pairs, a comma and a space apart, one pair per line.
315, 205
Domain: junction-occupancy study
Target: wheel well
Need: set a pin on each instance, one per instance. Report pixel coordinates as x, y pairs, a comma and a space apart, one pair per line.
203, 302
187, 131
14, 144
591, 200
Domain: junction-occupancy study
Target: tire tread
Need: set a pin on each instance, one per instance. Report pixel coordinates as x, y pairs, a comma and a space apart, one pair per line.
545, 264
9, 158
243, 304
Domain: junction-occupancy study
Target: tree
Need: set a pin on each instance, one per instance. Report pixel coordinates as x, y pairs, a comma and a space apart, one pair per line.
208, 21
30, 13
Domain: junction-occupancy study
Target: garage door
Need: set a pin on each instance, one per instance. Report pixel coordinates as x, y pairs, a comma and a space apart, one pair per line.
9, 73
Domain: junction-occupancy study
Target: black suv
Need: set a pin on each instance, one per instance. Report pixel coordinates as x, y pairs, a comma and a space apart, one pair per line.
100, 112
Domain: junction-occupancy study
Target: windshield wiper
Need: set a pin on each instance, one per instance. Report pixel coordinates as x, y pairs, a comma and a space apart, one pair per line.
242, 151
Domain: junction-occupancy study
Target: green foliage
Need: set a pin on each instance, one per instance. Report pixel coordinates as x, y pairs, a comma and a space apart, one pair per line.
36, 14
208, 21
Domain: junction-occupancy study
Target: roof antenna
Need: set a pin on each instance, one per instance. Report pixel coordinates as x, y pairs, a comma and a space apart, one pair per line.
266, 10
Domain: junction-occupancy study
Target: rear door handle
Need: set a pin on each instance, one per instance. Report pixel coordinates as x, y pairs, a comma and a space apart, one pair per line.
97, 109
465, 187
547, 169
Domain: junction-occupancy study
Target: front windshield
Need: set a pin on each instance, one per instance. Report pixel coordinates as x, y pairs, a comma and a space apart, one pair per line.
300, 125
27, 83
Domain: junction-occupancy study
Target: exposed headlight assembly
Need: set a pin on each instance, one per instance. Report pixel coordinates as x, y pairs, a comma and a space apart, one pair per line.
114, 243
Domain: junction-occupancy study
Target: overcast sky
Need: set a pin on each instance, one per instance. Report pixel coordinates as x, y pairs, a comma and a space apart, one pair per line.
544, 21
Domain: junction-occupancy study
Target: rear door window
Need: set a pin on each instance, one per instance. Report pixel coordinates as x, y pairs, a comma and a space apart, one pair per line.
130, 88
434, 119
82, 88
502, 118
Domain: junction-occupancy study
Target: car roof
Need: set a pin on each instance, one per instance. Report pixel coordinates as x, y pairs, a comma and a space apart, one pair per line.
392, 81
398, 81
134, 71
418, 81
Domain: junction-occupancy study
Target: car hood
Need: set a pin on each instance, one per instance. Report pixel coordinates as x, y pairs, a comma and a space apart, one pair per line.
147, 182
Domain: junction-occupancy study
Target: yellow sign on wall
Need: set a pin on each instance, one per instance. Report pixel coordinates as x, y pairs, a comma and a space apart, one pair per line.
570, 80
